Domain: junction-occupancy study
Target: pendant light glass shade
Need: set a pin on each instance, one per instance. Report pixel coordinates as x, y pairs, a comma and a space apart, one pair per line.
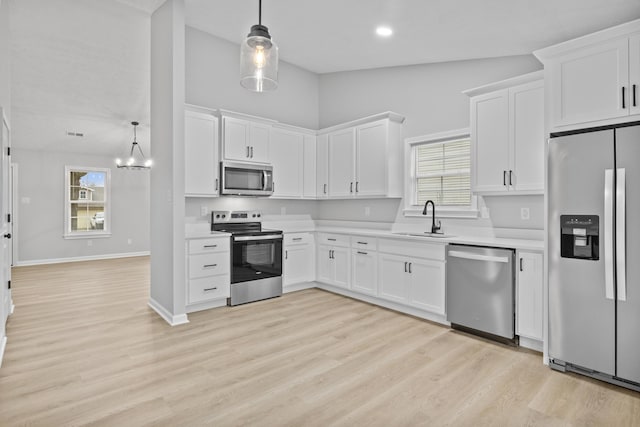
135, 158
259, 59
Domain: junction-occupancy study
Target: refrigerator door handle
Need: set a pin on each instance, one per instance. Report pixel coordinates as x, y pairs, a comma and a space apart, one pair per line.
621, 243
608, 234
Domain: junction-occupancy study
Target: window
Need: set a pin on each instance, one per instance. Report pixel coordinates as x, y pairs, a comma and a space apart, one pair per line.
87, 202
441, 171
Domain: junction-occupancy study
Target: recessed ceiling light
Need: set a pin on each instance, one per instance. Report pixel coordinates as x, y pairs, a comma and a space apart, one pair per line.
383, 31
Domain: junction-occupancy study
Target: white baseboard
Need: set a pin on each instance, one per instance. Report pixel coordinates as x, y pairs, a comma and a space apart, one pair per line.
206, 305
80, 258
298, 287
171, 319
3, 345
531, 344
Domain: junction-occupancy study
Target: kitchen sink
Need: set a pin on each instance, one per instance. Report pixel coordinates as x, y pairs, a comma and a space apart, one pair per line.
426, 234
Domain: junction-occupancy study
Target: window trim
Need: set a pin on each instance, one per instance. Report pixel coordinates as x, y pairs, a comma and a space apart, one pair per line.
411, 209
106, 232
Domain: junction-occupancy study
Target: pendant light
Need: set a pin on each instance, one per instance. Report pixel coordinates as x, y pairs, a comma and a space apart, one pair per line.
259, 58
135, 159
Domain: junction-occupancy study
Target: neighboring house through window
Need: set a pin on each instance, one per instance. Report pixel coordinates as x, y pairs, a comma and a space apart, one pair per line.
87, 211
440, 171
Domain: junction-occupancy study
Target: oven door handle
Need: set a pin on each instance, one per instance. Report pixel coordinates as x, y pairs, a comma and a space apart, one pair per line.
250, 238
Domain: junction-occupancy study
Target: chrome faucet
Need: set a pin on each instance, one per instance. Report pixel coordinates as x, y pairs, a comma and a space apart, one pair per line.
434, 227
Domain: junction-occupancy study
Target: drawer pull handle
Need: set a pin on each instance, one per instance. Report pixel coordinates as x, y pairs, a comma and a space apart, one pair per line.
295, 239
362, 243
211, 289
362, 253
210, 246
210, 265
332, 240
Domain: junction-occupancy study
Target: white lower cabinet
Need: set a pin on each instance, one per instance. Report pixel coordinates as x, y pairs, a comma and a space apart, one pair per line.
364, 271
208, 272
299, 260
333, 265
529, 306
407, 279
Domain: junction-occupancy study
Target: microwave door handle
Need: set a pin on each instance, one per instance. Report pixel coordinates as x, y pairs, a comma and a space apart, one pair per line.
608, 235
264, 180
621, 255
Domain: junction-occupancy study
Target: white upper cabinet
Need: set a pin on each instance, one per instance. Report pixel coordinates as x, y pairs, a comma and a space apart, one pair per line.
593, 80
364, 158
507, 136
201, 154
287, 153
309, 169
245, 139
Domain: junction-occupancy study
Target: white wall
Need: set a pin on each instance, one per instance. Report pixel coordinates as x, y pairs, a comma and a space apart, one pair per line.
40, 208
430, 97
213, 80
5, 59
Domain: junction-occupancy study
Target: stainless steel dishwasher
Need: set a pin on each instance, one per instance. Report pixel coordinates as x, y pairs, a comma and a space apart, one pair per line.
480, 290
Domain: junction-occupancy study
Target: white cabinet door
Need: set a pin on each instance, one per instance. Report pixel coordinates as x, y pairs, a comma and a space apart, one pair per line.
426, 284
201, 154
526, 130
371, 159
298, 264
529, 308
236, 137
634, 74
392, 274
341, 261
322, 166
342, 151
587, 84
325, 266
490, 141
309, 167
364, 272
286, 157
259, 143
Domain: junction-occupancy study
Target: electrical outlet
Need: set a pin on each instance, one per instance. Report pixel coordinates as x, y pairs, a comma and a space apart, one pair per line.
204, 210
129, 241
89, 242
283, 210
367, 211
524, 213
484, 212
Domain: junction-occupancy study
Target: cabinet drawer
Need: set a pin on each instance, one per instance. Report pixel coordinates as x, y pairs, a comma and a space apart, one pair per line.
333, 239
297, 238
412, 248
213, 244
201, 265
208, 288
361, 242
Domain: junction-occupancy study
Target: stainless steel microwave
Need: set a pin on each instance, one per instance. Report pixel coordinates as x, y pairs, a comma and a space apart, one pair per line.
246, 179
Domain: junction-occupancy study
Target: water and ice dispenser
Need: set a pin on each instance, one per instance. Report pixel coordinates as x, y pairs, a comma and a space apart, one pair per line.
579, 236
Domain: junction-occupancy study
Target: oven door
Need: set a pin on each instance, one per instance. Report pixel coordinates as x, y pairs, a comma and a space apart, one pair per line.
256, 257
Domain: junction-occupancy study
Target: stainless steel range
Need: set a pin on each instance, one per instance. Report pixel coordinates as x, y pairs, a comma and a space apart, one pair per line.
256, 256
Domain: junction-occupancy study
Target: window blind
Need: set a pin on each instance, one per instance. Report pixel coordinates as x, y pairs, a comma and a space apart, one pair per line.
443, 172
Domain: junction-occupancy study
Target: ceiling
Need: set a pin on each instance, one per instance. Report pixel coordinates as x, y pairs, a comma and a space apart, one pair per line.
325, 36
82, 66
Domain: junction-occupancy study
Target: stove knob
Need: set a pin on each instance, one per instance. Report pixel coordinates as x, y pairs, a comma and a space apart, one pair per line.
224, 216
258, 215
254, 215
217, 215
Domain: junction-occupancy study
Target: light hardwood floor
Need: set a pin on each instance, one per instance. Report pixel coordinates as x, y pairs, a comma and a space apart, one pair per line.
84, 348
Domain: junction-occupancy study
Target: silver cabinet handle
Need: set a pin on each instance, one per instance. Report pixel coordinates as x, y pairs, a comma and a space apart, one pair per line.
504, 178
211, 289
405, 266
521, 269
608, 234
286, 254
410, 267
295, 239
210, 246
216, 184
357, 182
210, 265
478, 257
331, 239
325, 188
351, 187
623, 96
621, 243
362, 253
248, 151
252, 152
510, 177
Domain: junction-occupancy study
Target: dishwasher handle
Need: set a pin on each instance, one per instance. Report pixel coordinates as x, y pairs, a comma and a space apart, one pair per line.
478, 257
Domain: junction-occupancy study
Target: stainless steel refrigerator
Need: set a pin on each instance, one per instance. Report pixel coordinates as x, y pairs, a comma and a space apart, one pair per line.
594, 253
